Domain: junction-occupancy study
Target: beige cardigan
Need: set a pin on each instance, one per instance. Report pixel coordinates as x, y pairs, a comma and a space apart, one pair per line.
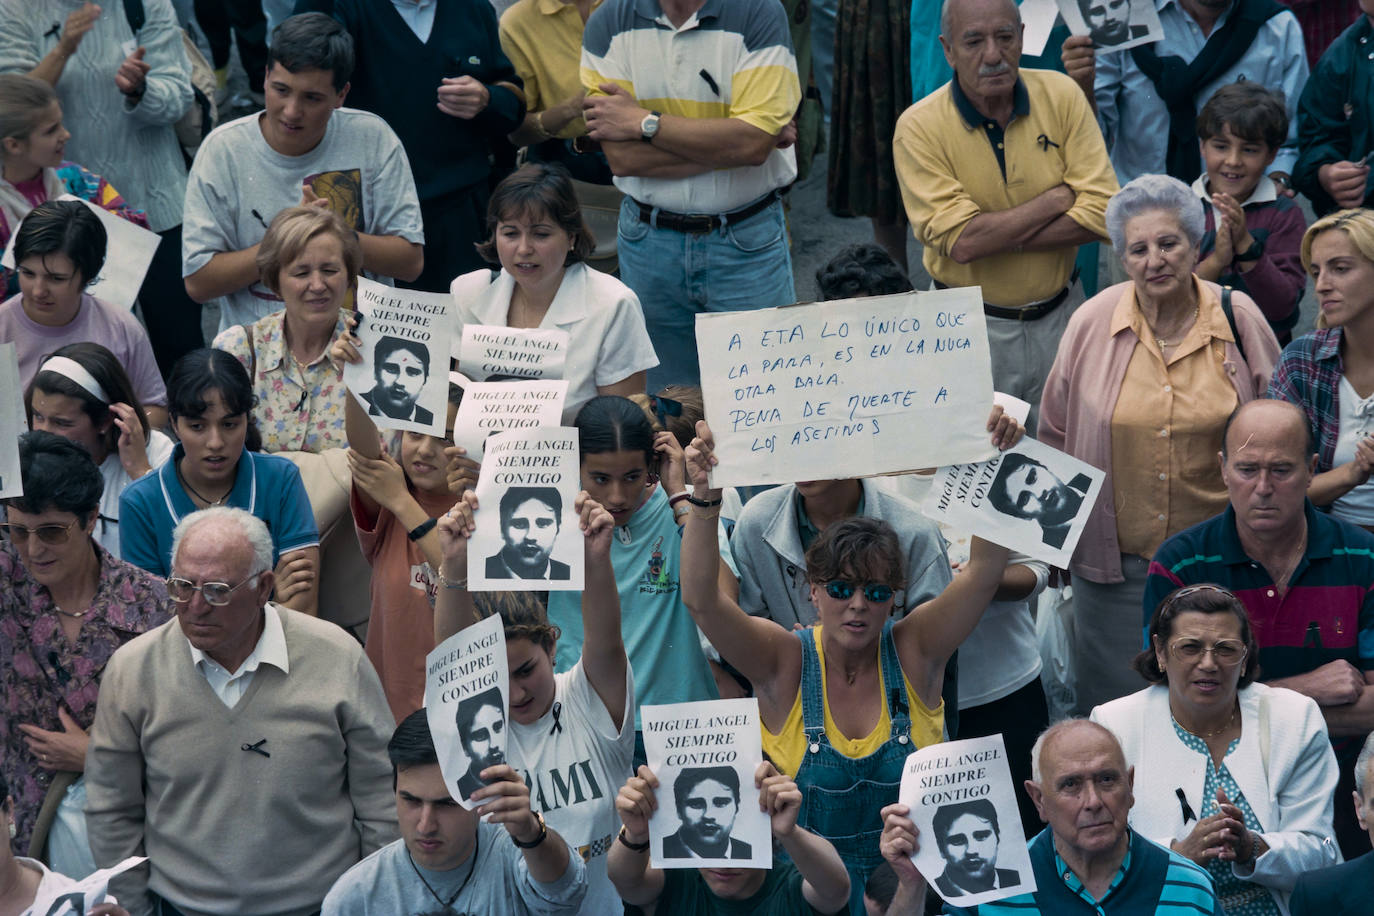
226, 829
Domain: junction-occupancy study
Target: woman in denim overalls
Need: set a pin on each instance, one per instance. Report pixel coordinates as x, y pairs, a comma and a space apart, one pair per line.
858, 672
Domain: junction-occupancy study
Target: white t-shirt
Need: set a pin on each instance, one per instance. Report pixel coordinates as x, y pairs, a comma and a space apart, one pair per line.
116, 479
1357, 421
575, 761
1002, 654
50, 884
607, 339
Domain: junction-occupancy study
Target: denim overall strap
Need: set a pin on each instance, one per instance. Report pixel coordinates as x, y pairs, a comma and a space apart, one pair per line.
841, 796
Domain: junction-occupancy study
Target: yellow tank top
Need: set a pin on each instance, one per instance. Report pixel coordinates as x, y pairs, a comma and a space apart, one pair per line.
788, 747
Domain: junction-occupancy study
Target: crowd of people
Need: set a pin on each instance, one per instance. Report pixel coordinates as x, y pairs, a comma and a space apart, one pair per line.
224, 572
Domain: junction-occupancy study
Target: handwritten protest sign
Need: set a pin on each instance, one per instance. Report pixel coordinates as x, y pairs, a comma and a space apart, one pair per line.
1114, 25
964, 805
466, 701
704, 755
129, 249
402, 381
527, 533
491, 352
849, 388
13, 422
1030, 498
79, 897
490, 407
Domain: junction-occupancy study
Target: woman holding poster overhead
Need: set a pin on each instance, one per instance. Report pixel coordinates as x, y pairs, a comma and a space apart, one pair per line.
834, 717
571, 735
1146, 374
620, 460
541, 241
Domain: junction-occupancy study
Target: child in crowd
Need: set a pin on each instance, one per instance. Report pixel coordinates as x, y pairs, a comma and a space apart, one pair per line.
620, 461
82, 393
395, 505
1253, 231
576, 726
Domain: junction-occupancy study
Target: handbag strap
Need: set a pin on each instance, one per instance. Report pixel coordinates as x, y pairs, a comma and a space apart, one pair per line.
1230, 313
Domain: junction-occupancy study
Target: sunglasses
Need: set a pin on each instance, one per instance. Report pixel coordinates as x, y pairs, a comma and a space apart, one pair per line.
52, 535
215, 593
664, 408
843, 590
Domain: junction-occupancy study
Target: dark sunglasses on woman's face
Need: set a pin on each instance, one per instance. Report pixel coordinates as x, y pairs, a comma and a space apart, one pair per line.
664, 408
843, 590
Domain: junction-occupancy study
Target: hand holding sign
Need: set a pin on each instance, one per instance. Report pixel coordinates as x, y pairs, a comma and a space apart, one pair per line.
960, 794
403, 337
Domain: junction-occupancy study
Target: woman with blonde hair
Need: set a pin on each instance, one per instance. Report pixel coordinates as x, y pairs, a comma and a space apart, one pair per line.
1329, 372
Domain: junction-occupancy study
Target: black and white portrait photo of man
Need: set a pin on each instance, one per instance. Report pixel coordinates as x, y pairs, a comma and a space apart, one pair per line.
530, 521
481, 721
1025, 488
707, 802
401, 369
967, 835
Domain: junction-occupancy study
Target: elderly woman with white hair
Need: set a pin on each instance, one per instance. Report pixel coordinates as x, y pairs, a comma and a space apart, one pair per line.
1146, 375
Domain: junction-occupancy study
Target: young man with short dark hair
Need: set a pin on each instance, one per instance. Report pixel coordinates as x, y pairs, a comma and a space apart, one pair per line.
304, 148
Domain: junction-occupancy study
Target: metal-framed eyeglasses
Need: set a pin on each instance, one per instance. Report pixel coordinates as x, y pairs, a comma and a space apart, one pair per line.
215, 594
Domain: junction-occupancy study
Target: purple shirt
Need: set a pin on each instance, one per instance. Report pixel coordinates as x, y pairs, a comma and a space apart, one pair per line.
41, 671
95, 322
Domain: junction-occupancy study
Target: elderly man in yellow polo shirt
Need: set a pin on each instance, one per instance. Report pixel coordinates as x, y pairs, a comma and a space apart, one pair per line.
1004, 174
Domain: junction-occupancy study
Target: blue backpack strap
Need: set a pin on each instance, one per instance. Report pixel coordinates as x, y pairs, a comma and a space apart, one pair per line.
812, 689
898, 710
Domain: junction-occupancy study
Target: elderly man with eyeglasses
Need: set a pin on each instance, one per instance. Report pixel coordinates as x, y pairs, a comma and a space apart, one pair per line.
1306, 579
241, 747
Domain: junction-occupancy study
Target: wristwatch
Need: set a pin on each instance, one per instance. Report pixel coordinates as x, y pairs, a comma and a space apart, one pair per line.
648, 128
1253, 253
543, 834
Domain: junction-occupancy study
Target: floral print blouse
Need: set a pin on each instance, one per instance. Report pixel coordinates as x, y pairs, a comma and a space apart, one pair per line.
41, 671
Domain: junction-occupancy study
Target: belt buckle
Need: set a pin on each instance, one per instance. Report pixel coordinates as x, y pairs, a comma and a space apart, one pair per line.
698, 224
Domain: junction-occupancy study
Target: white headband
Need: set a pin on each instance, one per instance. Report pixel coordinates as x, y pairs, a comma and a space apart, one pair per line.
70, 368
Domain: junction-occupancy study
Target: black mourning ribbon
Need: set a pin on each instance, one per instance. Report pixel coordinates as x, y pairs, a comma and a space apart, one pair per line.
55, 30
255, 748
557, 727
1188, 814
1045, 143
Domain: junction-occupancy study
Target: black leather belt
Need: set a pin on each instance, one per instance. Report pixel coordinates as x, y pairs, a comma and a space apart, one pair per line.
1026, 312
702, 223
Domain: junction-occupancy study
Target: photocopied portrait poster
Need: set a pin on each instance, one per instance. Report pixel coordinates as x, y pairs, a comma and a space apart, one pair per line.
13, 422
466, 703
704, 755
491, 353
527, 536
849, 388
1114, 25
491, 407
961, 798
1030, 498
406, 335
83, 896
129, 249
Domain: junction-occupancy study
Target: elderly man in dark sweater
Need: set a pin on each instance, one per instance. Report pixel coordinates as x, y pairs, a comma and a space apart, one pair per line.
436, 73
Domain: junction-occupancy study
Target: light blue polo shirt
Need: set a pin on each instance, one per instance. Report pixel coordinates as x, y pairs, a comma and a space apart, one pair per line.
268, 486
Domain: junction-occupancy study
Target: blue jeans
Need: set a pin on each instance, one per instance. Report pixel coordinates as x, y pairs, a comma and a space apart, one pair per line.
676, 275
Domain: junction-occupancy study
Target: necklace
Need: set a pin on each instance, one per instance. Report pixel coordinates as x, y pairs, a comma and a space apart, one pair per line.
447, 905
76, 616
1212, 734
197, 494
1169, 343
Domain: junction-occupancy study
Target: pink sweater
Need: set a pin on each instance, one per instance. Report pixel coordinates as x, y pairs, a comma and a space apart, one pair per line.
1081, 392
